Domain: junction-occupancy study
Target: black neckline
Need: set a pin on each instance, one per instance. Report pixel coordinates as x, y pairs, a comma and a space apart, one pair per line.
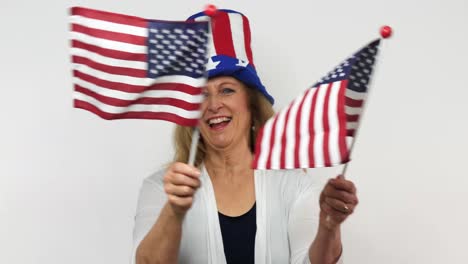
239, 216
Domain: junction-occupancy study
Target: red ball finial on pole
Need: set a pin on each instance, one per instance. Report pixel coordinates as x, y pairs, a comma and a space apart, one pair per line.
386, 31
210, 10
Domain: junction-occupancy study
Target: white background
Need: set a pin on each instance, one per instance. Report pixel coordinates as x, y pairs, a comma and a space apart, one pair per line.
69, 180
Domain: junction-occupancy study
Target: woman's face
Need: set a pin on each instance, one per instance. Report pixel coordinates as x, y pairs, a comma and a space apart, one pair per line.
226, 118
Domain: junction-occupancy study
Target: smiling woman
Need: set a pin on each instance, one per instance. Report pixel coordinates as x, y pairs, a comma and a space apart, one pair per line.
221, 210
226, 118
229, 89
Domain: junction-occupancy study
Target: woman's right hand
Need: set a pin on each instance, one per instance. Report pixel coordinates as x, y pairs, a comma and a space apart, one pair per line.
180, 183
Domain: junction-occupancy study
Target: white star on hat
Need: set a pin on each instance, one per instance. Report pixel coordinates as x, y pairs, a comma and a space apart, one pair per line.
242, 63
210, 65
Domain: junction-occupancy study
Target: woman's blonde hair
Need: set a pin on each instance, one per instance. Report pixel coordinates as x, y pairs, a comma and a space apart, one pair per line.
261, 110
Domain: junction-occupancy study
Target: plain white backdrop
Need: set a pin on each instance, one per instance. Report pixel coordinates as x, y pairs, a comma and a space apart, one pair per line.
69, 180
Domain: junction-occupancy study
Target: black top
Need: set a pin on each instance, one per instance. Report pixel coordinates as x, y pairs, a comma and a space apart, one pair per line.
239, 237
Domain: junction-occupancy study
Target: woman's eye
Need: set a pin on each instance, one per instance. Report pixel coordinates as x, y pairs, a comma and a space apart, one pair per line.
227, 90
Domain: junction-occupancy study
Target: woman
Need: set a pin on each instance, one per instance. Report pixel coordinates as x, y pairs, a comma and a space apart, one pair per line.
220, 210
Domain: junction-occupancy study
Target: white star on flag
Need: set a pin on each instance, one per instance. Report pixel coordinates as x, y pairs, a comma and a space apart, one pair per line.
318, 127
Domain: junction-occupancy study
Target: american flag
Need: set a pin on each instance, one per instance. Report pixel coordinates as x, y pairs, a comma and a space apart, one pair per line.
130, 67
312, 131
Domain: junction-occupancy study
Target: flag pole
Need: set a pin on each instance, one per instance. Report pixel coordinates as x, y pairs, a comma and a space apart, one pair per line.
210, 11
193, 147
356, 132
385, 32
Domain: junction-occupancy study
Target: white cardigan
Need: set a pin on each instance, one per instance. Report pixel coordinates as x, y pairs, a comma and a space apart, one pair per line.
287, 218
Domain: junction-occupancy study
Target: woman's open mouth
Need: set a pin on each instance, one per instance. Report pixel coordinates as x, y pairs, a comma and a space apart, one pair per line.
218, 122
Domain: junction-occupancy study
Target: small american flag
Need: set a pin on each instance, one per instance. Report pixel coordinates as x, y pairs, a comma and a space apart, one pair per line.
130, 67
312, 131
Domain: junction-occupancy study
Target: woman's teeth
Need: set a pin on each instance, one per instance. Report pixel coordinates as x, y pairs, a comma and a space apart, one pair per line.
218, 120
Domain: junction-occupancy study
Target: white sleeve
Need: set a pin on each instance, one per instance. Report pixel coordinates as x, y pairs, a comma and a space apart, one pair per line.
151, 200
304, 219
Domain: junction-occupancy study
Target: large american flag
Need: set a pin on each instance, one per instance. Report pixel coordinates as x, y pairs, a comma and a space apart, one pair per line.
312, 131
130, 67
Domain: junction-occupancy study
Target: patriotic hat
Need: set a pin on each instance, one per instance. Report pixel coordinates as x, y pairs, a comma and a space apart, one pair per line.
229, 53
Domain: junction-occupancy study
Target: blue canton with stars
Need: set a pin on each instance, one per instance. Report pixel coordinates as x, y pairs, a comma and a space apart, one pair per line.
177, 48
357, 69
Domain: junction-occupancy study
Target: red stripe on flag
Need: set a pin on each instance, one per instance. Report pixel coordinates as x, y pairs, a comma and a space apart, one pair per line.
342, 123
352, 118
110, 35
136, 115
221, 28
248, 49
258, 147
350, 132
283, 140
115, 54
326, 127
109, 17
298, 130
353, 102
110, 69
311, 126
145, 100
272, 143
129, 88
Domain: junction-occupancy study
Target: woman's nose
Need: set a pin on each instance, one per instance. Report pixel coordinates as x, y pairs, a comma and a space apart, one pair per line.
213, 103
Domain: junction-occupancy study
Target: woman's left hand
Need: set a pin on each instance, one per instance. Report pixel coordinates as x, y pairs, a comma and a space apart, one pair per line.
337, 201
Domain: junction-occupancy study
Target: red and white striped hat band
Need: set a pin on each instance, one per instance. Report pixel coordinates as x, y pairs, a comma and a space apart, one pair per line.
230, 34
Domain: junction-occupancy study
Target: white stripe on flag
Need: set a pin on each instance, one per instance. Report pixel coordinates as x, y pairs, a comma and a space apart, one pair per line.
237, 30
265, 144
137, 107
195, 82
318, 126
304, 128
355, 95
353, 110
134, 96
291, 133
276, 153
109, 26
334, 125
108, 44
349, 141
351, 125
109, 61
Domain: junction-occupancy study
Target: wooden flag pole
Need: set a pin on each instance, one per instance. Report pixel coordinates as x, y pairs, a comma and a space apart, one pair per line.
193, 146
210, 10
356, 132
385, 32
